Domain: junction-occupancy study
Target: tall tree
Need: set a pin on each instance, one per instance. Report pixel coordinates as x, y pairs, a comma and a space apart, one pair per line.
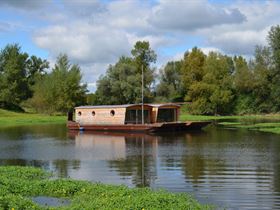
274, 44
13, 81
170, 87
143, 55
192, 68
122, 81
121, 84
35, 67
243, 80
212, 94
60, 90
262, 87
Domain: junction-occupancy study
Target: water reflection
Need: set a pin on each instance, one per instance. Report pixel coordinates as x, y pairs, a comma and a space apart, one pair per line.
230, 168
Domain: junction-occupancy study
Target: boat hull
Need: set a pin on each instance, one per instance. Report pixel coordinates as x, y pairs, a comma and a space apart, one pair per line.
156, 127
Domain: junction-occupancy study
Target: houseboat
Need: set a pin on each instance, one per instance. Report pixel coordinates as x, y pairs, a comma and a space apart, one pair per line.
130, 118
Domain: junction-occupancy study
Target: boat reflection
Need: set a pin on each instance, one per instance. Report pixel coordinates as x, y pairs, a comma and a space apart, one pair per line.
129, 154
136, 156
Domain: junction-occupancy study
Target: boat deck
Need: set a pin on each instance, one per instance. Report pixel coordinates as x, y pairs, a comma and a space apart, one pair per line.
155, 127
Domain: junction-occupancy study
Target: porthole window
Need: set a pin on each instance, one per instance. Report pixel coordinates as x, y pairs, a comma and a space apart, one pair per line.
93, 113
112, 112
79, 113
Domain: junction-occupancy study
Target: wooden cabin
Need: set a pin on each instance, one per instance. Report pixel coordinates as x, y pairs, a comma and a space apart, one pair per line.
128, 118
126, 114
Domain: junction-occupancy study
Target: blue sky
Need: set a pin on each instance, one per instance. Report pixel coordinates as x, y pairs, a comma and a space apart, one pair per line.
96, 33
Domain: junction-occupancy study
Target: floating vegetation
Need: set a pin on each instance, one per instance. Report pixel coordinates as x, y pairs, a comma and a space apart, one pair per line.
19, 186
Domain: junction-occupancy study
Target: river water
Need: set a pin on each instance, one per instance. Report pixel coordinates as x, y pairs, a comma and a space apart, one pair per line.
230, 168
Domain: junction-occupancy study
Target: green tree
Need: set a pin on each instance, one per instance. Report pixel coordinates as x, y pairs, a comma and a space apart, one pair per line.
262, 87
122, 82
274, 44
60, 90
91, 99
35, 67
143, 55
243, 80
170, 87
13, 81
243, 77
212, 94
192, 69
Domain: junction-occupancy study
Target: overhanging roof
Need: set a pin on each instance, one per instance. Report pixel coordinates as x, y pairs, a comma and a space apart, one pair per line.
112, 106
128, 106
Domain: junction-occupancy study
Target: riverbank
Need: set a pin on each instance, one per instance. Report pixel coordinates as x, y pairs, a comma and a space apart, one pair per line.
252, 122
9, 118
264, 123
20, 185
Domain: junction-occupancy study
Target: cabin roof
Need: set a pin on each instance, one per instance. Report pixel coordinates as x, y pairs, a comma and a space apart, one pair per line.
164, 105
109, 106
126, 106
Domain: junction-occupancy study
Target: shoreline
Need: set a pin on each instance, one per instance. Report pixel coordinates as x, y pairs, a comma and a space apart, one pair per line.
10, 119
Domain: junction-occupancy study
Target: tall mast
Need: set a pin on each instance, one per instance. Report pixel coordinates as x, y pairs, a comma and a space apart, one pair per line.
142, 95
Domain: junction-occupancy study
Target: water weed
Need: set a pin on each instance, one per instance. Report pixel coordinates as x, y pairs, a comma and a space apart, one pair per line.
18, 185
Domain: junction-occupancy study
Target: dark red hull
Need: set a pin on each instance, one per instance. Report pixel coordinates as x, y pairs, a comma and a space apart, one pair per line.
156, 127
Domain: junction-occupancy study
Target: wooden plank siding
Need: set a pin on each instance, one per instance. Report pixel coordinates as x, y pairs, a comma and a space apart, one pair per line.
102, 116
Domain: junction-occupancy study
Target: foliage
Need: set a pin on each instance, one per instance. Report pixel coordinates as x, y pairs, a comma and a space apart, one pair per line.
170, 87
60, 90
19, 184
123, 81
192, 68
212, 92
274, 44
143, 55
17, 75
91, 99
262, 88
13, 74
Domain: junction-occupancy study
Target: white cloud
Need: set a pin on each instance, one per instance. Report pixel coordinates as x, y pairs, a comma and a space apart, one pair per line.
84, 43
96, 33
239, 42
207, 50
242, 38
192, 15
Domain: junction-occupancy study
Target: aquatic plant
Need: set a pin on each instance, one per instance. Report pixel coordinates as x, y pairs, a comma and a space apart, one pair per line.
19, 184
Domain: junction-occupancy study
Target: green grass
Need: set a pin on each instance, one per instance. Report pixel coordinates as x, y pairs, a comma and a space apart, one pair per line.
8, 118
19, 184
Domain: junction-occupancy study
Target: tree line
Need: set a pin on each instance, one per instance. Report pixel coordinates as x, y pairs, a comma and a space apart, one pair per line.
212, 84
26, 81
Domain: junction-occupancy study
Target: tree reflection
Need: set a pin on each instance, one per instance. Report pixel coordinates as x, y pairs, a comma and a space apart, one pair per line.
62, 166
140, 163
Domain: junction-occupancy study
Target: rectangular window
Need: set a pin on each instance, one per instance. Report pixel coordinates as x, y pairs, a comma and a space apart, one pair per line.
134, 116
166, 115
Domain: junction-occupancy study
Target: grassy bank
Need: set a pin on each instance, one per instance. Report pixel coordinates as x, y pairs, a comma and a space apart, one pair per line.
251, 122
9, 118
19, 184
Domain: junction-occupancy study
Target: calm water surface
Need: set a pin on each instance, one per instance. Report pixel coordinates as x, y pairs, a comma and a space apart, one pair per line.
235, 169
